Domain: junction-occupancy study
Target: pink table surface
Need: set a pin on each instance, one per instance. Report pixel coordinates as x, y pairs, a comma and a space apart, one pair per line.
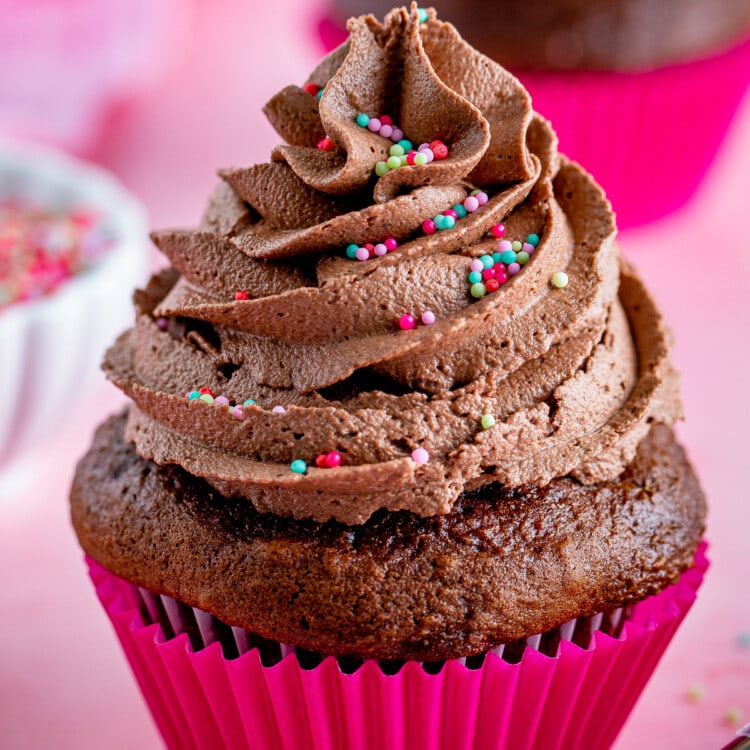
63, 681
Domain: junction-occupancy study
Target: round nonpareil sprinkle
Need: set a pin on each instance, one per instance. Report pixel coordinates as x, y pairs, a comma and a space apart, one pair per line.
222, 400
406, 322
560, 280
162, 324
326, 144
420, 456
241, 295
237, 412
422, 15
248, 402
487, 421
278, 410
428, 317
207, 398
311, 88
298, 466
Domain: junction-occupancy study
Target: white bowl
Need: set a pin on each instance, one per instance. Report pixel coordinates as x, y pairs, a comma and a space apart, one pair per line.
50, 348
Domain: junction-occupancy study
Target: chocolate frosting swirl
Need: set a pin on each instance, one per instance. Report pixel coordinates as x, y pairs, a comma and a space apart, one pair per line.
572, 376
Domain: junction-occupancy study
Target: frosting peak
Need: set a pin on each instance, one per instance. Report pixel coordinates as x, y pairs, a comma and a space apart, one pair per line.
263, 303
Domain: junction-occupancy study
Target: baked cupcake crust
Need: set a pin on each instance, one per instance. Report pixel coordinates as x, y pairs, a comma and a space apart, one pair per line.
504, 564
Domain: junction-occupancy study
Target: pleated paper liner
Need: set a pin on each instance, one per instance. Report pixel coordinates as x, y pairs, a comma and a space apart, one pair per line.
647, 137
212, 686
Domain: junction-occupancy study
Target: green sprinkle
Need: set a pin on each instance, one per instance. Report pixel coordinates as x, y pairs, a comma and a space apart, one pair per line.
249, 402
517, 246
458, 208
394, 162
420, 159
478, 290
298, 466
476, 191
397, 150
522, 258
487, 261
508, 257
381, 168
363, 120
422, 15
533, 239
475, 277
560, 280
406, 145
448, 222
404, 162
207, 397
487, 421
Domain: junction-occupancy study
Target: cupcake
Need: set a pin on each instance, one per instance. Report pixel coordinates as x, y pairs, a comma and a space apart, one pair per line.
398, 467
71, 251
624, 83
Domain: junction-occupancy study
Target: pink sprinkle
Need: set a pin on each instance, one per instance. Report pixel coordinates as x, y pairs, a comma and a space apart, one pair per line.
380, 249
386, 130
504, 245
528, 248
362, 253
237, 413
278, 410
187, 395
391, 244
420, 456
450, 212
410, 158
221, 400
477, 265
501, 277
162, 323
406, 322
423, 146
429, 227
514, 268
489, 273
471, 204
500, 267
428, 317
482, 198
428, 152
397, 134
374, 125
498, 230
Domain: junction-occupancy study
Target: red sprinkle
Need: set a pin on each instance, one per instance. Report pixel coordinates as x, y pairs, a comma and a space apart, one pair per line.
241, 295
326, 144
321, 460
439, 149
410, 158
489, 273
385, 120
428, 227
492, 285
406, 322
203, 391
333, 459
498, 230
311, 88
501, 277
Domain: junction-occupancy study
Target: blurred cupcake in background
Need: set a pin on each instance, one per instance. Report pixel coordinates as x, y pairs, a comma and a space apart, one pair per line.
640, 92
71, 250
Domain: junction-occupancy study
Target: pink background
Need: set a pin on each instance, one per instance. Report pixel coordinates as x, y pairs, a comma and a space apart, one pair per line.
63, 681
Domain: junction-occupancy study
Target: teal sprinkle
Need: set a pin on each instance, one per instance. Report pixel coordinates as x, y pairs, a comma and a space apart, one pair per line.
439, 221
363, 120
449, 222
460, 210
351, 251
422, 15
475, 277
487, 261
497, 257
533, 239
508, 257
249, 402
193, 395
406, 145
298, 466
320, 94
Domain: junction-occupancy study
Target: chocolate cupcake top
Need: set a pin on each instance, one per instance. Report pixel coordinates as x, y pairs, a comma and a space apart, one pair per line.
331, 287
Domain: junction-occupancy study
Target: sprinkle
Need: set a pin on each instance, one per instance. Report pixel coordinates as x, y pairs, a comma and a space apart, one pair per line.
162, 324
522, 258
351, 251
381, 168
492, 285
405, 144
207, 398
743, 640
533, 239
298, 466
560, 280
223, 400
397, 134
504, 245
509, 256
487, 421
478, 290
386, 120
373, 124
380, 249
406, 322
477, 265
517, 246
278, 410
487, 261
429, 227
312, 89
420, 456
501, 278
362, 253
397, 150
420, 159
333, 459
319, 94
527, 247
489, 273
391, 244
439, 149
428, 317
460, 210
241, 295
193, 395
448, 222
450, 212
475, 277
696, 692
428, 153
513, 268
320, 460
326, 144
237, 413
394, 162
248, 402
385, 130
363, 120
482, 197
206, 390
471, 204
498, 230
733, 716
422, 15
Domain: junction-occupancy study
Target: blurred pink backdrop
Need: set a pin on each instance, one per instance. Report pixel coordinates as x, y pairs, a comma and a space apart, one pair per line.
63, 681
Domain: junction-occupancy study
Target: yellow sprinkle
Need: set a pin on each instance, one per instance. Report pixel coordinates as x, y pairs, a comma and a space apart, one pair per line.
560, 280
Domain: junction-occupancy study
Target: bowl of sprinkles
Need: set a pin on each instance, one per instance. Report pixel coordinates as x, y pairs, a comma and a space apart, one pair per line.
71, 251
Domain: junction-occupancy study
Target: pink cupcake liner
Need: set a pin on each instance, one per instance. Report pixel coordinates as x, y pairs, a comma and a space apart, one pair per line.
268, 697
648, 137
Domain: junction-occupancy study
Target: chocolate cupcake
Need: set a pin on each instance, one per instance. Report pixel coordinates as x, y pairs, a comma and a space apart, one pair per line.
621, 80
399, 434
